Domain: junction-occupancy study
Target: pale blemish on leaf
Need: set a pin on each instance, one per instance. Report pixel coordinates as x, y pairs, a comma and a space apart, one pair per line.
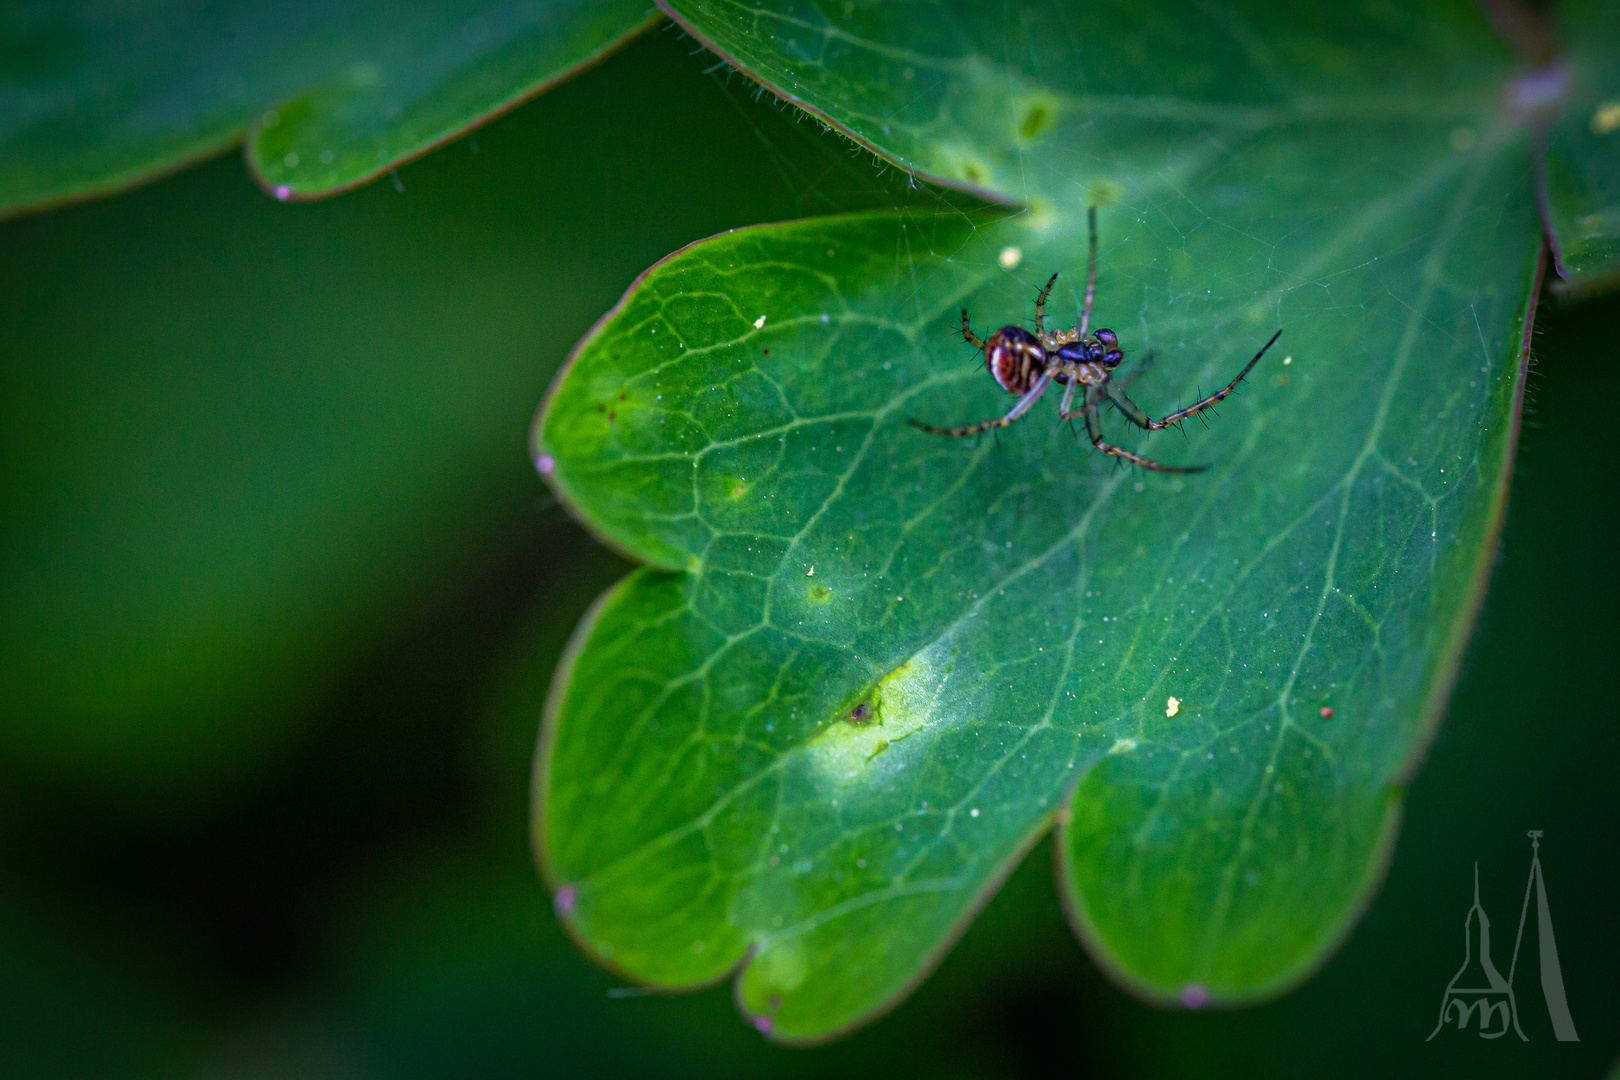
781, 966
1039, 115
899, 706
961, 162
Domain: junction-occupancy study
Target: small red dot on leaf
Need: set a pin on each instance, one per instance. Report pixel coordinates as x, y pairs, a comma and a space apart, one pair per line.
1327, 712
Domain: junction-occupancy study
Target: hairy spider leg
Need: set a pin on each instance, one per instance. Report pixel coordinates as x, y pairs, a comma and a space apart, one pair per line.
1023, 406
1142, 420
967, 332
1091, 273
1040, 306
1092, 411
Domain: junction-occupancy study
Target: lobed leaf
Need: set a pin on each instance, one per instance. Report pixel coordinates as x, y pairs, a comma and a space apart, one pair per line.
100, 96
869, 667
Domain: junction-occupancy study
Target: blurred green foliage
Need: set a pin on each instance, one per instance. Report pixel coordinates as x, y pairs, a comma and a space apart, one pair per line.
95, 96
243, 438
267, 726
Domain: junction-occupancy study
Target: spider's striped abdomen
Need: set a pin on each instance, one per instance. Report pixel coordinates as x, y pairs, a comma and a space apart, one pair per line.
1015, 358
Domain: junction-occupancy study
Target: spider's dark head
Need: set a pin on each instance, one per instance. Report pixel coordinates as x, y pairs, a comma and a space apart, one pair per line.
1105, 349
1015, 358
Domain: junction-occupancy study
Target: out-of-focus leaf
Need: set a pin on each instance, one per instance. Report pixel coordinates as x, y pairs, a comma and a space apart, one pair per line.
95, 95
875, 665
1583, 154
242, 443
73, 1003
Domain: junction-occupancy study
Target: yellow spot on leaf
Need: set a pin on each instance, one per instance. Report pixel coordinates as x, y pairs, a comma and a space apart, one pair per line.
1039, 115
1122, 746
1607, 118
1104, 193
1172, 706
1010, 257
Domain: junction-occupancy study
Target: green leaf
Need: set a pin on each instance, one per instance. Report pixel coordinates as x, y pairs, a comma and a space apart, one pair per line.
99, 96
1583, 156
870, 666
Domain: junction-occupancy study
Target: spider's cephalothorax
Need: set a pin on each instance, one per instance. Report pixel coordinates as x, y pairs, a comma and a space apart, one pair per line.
1026, 364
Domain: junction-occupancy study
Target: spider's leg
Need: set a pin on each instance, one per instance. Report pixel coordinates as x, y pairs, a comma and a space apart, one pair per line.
1070, 415
1093, 416
1133, 412
1040, 306
1088, 405
1066, 415
1204, 403
1091, 272
1023, 406
967, 332
1122, 401
1068, 399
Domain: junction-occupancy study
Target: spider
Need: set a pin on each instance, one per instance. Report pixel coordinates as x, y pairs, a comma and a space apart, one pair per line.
1027, 364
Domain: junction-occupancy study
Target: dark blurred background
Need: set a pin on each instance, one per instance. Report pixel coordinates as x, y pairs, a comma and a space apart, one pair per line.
280, 595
